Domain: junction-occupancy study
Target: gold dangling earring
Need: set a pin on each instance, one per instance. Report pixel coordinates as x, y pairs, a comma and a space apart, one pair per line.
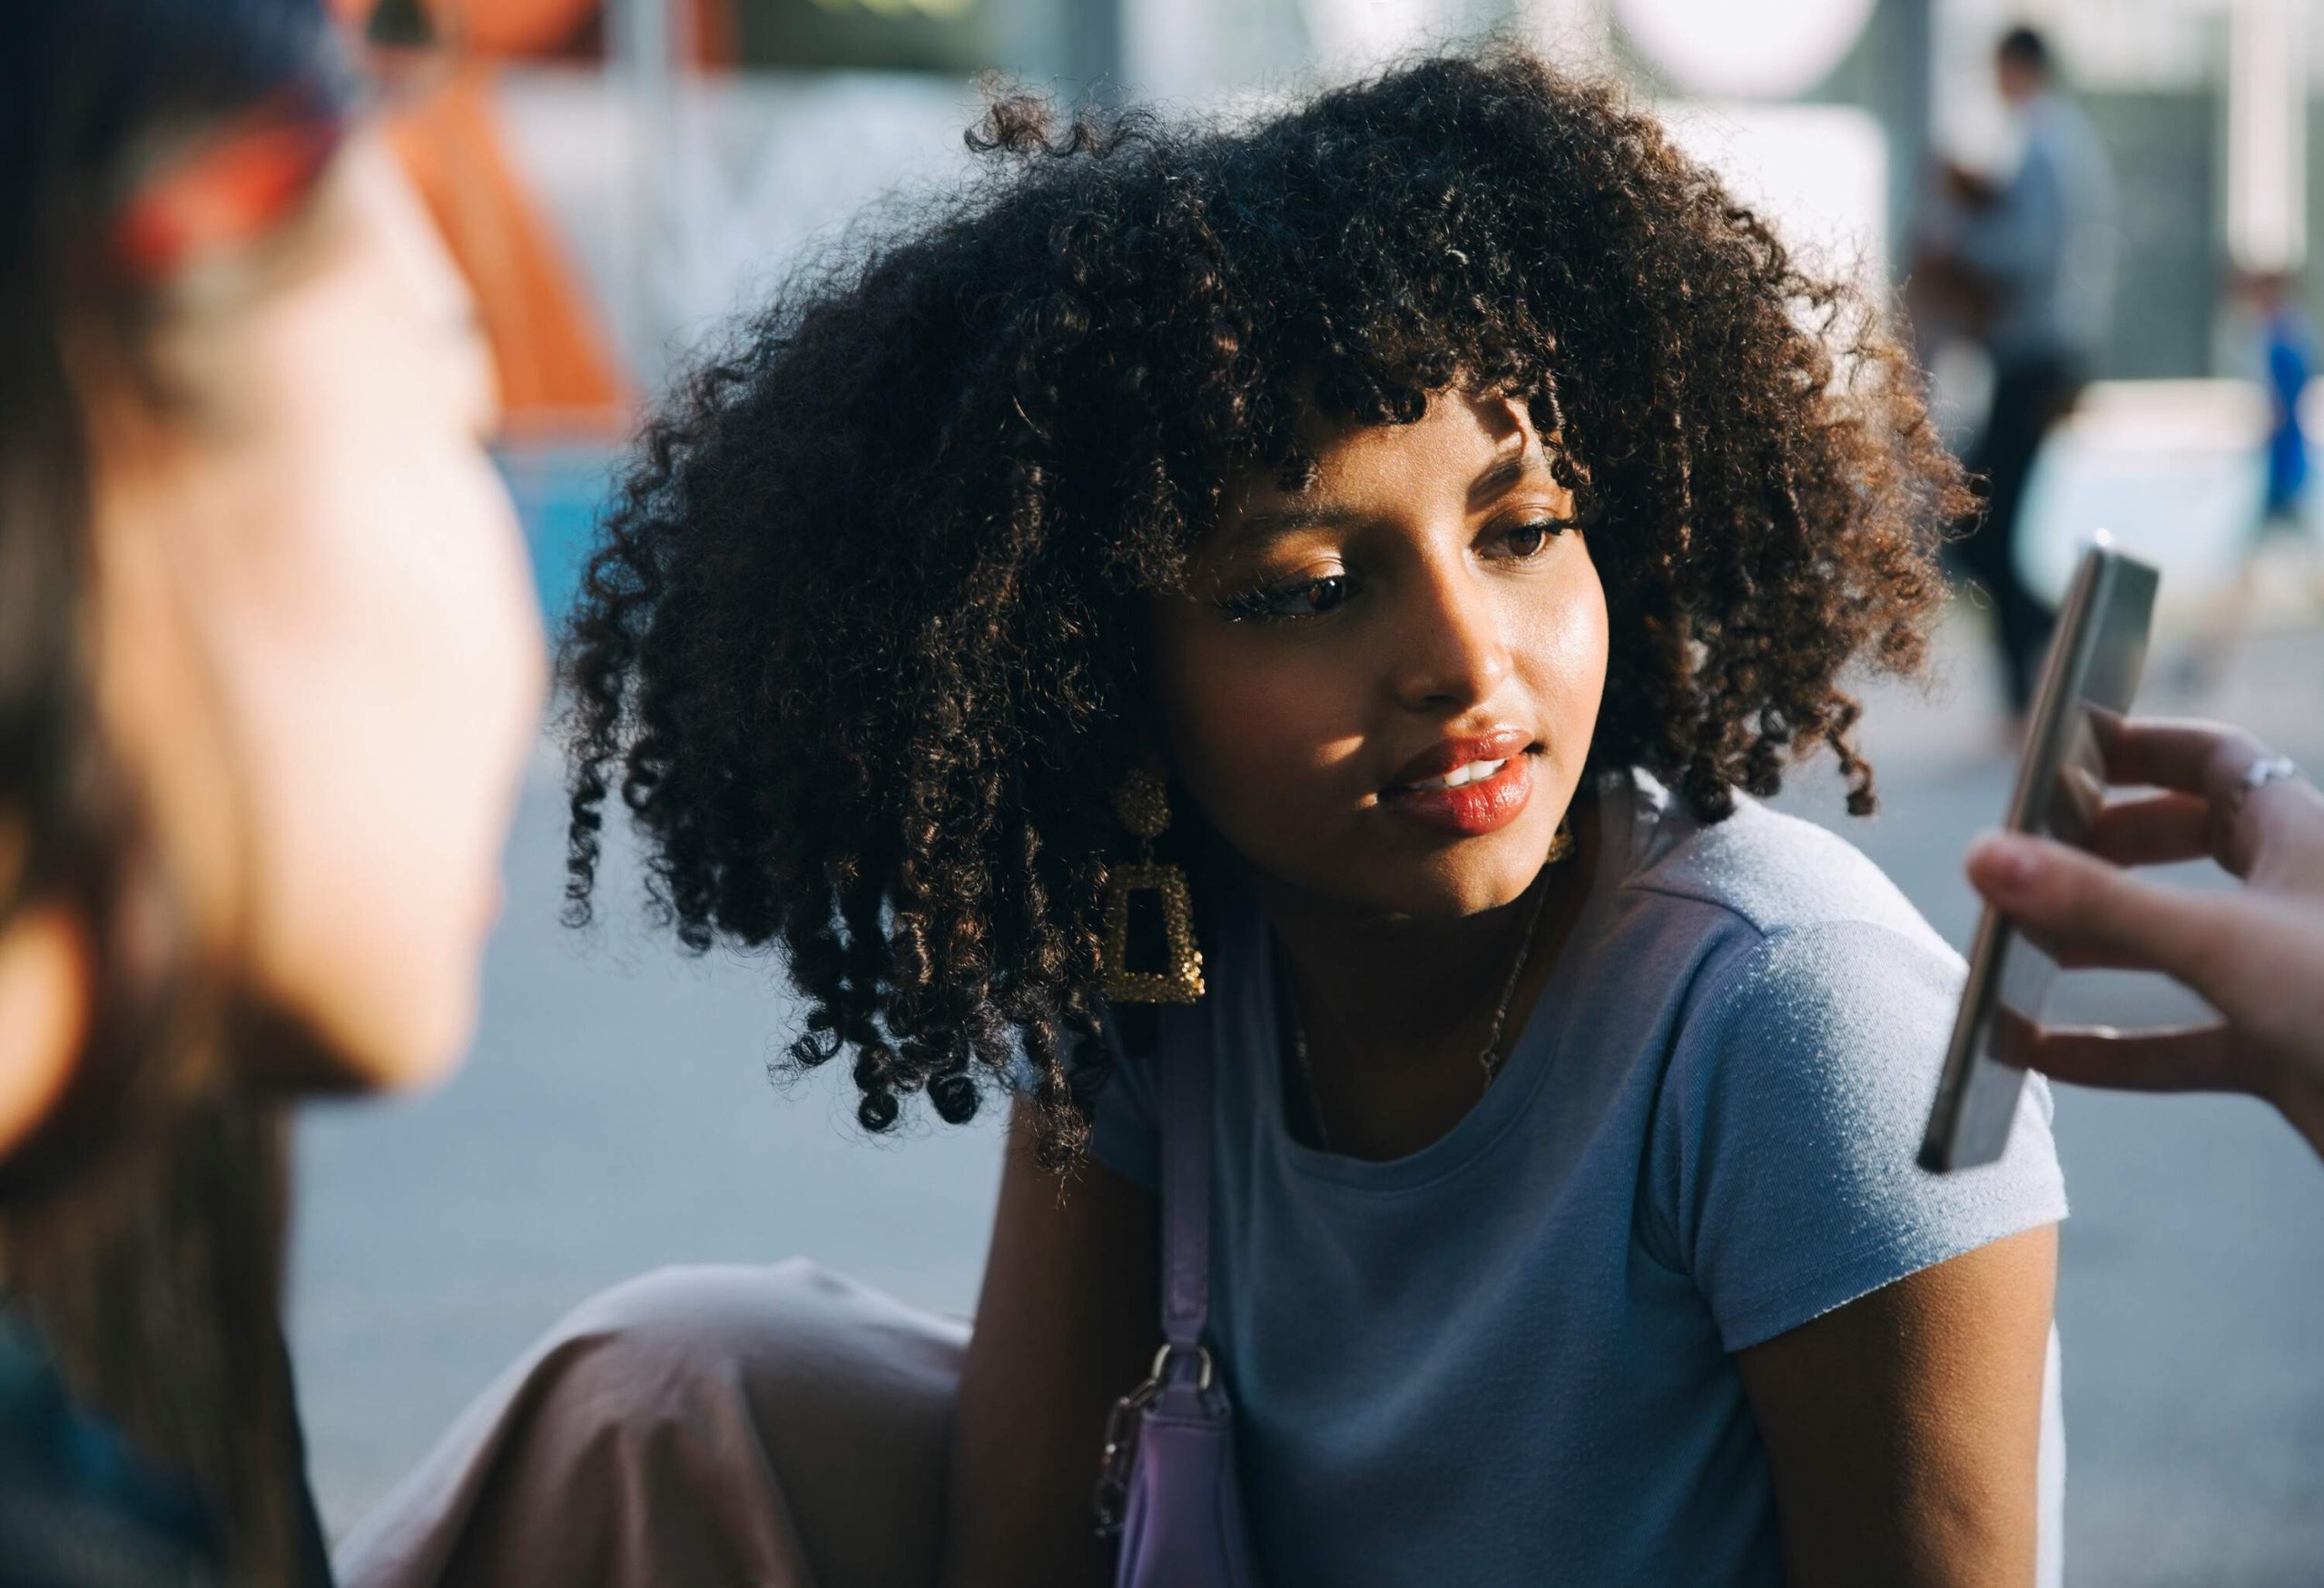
1561, 841
1144, 806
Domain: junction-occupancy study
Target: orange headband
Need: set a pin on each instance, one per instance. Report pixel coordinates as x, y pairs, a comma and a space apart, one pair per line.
233, 190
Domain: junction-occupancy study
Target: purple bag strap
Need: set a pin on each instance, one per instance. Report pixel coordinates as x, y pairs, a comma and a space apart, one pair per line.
1184, 1061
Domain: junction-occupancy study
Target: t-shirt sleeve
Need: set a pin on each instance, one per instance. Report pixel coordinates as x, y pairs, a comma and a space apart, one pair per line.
1783, 1174
1123, 1130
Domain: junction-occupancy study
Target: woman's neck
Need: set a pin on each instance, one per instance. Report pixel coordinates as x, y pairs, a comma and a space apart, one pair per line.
1380, 990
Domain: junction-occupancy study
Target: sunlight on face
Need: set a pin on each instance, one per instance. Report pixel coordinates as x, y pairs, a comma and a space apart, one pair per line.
321, 653
1428, 592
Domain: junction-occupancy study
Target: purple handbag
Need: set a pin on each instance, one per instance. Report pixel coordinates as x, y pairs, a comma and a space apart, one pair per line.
1166, 1482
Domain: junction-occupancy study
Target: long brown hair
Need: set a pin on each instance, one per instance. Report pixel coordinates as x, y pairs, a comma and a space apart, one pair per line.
141, 1227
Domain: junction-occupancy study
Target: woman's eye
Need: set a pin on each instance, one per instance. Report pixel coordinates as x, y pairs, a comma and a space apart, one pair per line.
1301, 598
1526, 540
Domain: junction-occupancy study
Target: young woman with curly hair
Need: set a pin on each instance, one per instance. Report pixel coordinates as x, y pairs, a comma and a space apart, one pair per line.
1465, 510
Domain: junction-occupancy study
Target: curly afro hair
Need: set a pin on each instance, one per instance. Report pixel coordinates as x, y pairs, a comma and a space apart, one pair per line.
859, 644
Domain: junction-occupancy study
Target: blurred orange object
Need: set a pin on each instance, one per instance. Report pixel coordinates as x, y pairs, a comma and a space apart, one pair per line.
516, 27
559, 374
556, 366
491, 27
534, 27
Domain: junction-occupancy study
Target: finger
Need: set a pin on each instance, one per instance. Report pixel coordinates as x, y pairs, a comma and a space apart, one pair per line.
2217, 763
2171, 753
2074, 954
2279, 820
2082, 904
2155, 830
2181, 1059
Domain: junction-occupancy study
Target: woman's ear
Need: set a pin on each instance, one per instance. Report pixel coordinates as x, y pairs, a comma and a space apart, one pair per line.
44, 974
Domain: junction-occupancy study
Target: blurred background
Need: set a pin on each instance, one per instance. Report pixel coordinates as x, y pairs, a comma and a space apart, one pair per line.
621, 177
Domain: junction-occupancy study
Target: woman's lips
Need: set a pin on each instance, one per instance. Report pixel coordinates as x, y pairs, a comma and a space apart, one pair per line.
1472, 810
1494, 744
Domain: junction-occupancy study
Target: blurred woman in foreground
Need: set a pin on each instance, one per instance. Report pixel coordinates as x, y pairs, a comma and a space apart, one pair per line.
268, 664
2256, 955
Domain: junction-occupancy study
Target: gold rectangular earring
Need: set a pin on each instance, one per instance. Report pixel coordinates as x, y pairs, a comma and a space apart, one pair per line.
1144, 806
1561, 841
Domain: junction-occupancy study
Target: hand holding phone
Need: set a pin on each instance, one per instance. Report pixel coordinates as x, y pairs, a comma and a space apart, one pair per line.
2088, 680
2256, 955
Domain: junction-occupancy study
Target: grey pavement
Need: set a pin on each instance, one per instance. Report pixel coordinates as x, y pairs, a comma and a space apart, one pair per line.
616, 1115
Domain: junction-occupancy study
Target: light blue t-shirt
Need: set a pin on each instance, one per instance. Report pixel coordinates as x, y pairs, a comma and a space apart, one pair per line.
1506, 1359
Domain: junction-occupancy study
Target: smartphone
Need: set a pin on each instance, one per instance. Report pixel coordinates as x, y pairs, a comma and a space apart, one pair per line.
2092, 668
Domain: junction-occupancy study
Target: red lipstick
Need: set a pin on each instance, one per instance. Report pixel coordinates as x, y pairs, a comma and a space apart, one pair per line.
1472, 809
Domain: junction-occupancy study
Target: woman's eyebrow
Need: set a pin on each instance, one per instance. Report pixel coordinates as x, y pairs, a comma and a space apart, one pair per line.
1258, 528
1500, 476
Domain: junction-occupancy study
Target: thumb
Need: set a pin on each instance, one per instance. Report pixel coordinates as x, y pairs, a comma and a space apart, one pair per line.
2079, 901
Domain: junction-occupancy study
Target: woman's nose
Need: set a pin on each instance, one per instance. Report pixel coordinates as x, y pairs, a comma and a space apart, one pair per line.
1452, 653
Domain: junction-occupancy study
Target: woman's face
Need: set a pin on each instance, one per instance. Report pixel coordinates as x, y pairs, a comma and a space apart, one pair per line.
1423, 616
319, 648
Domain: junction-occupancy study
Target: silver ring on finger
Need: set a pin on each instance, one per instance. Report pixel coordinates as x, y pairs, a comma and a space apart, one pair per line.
2264, 769
2257, 776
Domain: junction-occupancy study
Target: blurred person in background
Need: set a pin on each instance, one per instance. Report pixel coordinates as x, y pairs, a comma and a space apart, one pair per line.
2255, 954
2287, 359
2284, 356
2028, 266
269, 668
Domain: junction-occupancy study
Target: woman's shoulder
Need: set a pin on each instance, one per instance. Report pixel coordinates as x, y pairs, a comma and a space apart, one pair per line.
1762, 872
1813, 996
1779, 939
1796, 1073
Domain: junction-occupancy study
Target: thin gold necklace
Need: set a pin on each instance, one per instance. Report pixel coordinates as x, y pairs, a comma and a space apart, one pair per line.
1490, 1057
